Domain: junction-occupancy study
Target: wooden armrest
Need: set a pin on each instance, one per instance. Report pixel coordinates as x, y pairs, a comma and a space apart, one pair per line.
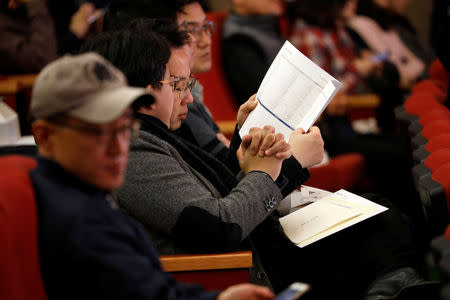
363, 101
197, 262
9, 86
226, 127
25, 80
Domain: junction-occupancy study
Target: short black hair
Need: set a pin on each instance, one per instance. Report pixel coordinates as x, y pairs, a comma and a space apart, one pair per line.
122, 12
177, 38
204, 4
323, 13
142, 55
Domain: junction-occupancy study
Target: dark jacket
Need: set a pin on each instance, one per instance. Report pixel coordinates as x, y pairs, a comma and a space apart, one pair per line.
89, 250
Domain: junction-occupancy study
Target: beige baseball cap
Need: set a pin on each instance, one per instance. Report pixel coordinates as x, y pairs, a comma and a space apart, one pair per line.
86, 87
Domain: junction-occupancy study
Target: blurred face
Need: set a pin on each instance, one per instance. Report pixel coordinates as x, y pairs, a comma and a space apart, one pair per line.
259, 7
179, 69
194, 21
95, 153
162, 108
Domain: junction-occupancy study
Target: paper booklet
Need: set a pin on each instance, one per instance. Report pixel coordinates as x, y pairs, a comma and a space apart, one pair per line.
293, 93
327, 216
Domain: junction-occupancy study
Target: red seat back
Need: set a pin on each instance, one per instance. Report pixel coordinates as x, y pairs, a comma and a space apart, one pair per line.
438, 142
437, 158
217, 94
20, 276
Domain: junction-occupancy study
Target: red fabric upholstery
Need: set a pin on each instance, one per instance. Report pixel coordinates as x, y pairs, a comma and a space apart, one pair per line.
438, 142
217, 94
431, 88
420, 103
434, 114
435, 128
437, 72
20, 276
342, 172
447, 232
437, 158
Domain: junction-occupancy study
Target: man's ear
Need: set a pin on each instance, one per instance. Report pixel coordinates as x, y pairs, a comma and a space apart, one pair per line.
149, 88
42, 132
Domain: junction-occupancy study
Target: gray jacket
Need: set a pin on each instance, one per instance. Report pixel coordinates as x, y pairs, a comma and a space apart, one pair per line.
181, 208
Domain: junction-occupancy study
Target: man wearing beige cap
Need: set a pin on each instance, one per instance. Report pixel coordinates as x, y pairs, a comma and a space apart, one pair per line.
87, 248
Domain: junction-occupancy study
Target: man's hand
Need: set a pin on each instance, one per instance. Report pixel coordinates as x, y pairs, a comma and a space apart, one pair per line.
255, 146
246, 291
245, 109
79, 24
307, 148
221, 137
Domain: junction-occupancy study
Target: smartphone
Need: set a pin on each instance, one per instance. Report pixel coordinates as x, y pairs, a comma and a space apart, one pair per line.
294, 291
380, 57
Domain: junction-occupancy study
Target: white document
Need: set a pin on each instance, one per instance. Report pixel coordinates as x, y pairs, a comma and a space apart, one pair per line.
327, 216
293, 93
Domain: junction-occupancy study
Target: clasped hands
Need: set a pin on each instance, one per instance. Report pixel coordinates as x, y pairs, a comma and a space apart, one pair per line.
264, 149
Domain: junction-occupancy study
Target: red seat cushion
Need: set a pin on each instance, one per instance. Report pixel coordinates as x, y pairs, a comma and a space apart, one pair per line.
438, 142
435, 128
20, 276
431, 88
343, 171
438, 158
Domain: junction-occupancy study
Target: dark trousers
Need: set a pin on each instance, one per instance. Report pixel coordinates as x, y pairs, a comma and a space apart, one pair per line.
340, 266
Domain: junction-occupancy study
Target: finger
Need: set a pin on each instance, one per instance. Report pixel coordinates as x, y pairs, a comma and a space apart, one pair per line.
283, 155
267, 142
256, 134
300, 130
246, 140
280, 145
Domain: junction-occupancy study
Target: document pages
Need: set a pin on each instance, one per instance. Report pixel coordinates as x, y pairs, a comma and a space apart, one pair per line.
326, 216
293, 93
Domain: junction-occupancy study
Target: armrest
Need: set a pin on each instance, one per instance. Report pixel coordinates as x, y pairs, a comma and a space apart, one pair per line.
9, 87
226, 127
363, 101
25, 80
199, 262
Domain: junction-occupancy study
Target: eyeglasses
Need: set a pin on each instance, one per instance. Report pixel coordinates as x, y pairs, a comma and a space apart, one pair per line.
102, 136
177, 81
207, 27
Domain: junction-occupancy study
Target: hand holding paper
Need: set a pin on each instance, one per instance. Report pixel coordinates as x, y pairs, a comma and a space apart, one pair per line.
292, 95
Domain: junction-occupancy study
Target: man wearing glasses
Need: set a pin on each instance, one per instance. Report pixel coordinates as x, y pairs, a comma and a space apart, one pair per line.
88, 248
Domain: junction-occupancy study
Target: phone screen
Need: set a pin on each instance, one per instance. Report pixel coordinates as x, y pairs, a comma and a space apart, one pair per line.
294, 291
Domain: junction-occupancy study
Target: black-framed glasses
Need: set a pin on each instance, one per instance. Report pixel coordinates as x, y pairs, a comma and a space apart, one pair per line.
208, 27
178, 87
102, 136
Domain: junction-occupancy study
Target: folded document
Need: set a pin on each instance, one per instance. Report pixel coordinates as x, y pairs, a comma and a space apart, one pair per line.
327, 216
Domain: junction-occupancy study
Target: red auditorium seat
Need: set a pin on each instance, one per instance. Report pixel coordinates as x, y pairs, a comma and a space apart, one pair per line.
432, 129
344, 171
441, 113
438, 142
437, 72
435, 160
431, 88
20, 277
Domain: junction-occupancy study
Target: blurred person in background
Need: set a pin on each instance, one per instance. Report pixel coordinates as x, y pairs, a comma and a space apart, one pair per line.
28, 40
251, 40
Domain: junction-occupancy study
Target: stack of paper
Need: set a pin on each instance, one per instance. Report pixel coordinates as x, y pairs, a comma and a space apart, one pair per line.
327, 216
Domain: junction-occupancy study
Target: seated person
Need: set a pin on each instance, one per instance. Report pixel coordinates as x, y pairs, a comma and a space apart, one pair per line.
251, 40
28, 40
189, 201
88, 249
